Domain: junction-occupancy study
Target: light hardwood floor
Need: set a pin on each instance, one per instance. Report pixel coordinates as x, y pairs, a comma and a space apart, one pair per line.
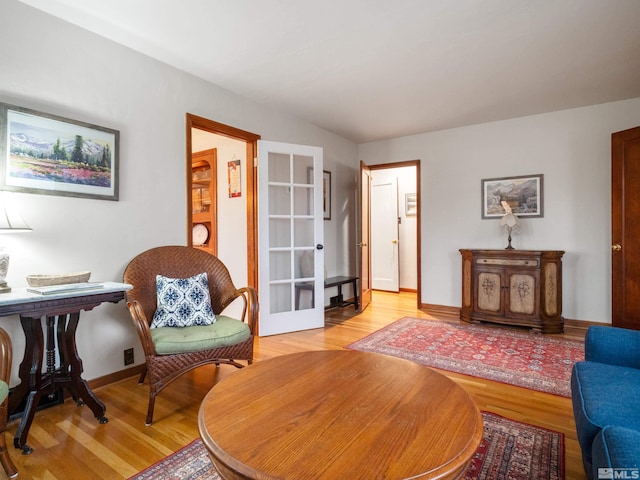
69, 443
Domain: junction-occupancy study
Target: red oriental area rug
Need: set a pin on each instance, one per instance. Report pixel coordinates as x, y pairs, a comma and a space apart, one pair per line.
508, 450
530, 360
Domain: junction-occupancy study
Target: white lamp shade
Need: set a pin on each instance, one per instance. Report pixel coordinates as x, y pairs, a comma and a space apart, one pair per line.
10, 218
509, 219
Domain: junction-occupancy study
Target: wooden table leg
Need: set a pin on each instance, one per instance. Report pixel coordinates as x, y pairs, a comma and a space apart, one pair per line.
355, 294
69, 357
340, 299
30, 387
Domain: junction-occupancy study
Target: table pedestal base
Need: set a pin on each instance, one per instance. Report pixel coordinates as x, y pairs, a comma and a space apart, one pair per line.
35, 383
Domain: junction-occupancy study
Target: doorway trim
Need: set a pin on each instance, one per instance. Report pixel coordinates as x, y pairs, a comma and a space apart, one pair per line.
416, 164
251, 141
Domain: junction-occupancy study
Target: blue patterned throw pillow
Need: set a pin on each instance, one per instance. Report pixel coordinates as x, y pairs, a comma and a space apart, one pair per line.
183, 302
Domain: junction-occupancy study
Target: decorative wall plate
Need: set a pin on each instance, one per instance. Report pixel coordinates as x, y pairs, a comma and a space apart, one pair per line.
200, 234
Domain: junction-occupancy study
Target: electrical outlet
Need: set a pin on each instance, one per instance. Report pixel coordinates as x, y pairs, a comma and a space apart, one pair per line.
128, 356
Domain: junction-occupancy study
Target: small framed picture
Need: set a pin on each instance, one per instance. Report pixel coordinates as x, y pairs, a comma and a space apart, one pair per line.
523, 194
48, 154
410, 205
326, 194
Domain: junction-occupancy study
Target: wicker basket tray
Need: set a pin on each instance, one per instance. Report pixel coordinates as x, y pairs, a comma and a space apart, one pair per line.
62, 279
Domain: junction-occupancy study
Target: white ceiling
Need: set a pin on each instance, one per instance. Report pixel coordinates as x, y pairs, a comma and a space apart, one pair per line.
375, 69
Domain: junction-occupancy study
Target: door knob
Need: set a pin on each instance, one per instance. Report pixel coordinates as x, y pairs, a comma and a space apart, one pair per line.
394, 241
319, 246
616, 247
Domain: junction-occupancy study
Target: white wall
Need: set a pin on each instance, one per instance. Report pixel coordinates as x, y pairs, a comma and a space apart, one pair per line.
54, 67
572, 148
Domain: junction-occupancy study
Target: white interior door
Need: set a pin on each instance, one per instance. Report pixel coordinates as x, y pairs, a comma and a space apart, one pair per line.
290, 243
385, 270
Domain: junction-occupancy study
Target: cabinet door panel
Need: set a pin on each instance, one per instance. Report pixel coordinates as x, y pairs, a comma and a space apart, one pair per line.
551, 289
489, 291
522, 294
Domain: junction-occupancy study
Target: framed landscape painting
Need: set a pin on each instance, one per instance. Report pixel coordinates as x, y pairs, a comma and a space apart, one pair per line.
52, 155
523, 195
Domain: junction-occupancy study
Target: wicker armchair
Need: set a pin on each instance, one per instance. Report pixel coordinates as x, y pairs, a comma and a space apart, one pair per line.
217, 347
6, 356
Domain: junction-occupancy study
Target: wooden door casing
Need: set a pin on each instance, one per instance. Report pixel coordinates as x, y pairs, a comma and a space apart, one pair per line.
365, 177
251, 142
365, 236
625, 228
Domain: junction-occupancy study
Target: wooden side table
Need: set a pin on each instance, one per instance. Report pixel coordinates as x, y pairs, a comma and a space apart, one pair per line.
339, 414
62, 312
338, 282
328, 283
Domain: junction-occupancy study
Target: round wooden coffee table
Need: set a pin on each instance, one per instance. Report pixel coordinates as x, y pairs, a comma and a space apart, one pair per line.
339, 415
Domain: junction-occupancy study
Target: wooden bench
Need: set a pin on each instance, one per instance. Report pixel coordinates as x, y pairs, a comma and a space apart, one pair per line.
338, 281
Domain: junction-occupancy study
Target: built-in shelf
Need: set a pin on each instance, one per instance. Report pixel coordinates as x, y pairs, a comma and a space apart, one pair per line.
202, 186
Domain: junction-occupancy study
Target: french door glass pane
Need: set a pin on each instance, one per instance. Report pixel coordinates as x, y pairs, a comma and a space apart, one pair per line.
303, 200
279, 167
303, 169
279, 232
304, 265
291, 231
279, 200
303, 232
280, 266
280, 297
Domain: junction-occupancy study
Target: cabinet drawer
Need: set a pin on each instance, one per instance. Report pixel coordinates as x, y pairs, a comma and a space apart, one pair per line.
509, 262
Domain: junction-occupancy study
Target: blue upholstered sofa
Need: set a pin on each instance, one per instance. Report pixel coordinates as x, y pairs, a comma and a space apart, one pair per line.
605, 390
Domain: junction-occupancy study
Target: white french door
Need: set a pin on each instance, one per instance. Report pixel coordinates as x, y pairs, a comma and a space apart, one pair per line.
290, 238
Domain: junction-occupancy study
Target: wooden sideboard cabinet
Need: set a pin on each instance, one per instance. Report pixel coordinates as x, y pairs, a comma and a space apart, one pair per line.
513, 287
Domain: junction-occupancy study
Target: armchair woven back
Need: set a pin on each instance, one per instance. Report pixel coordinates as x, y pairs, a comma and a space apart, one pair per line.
177, 262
